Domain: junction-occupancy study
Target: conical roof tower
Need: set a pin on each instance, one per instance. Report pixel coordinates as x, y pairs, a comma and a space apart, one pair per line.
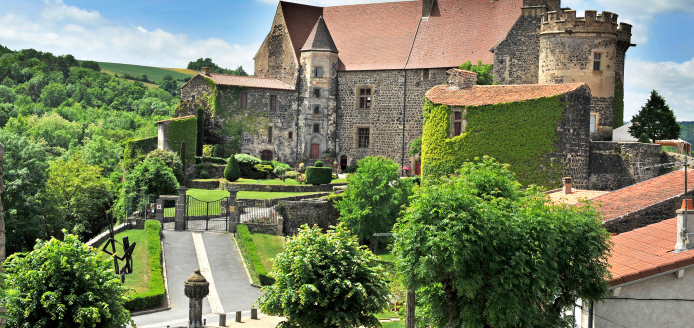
320, 39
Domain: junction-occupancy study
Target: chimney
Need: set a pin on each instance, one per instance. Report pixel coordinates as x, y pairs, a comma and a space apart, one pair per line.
206, 70
459, 79
567, 185
685, 226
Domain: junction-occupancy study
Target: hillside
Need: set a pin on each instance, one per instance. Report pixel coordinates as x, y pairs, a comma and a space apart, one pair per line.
155, 74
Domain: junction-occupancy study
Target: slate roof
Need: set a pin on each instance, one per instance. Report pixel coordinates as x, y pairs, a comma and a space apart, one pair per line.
646, 251
248, 81
480, 95
320, 39
386, 35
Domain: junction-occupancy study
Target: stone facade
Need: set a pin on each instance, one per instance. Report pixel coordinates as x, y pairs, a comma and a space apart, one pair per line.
319, 212
517, 57
574, 139
614, 165
276, 57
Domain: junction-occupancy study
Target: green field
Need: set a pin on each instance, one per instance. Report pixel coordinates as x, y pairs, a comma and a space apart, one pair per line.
153, 73
139, 279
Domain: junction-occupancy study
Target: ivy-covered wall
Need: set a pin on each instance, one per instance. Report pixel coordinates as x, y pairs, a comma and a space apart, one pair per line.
618, 105
180, 130
136, 151
542, 139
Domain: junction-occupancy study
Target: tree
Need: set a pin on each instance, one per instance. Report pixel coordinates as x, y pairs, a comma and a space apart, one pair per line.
483, 252
151, 177
171, 160
53, 95
91, 65
63, 284
232, 171
201, 131
643, 138
415, 147
325, 280
170, 86
484, 75
655, 119
374, 197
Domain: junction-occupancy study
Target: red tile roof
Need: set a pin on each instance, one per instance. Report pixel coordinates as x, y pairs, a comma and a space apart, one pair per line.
646, 251
644, 194
480, 95
382, 35
249, 81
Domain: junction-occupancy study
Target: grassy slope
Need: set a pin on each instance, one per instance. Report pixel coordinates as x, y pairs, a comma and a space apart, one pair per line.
139, 279
268, 247
153, 73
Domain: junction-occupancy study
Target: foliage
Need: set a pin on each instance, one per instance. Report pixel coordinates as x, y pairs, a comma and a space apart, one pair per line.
655, 119
279, 171
415, 147
484, 72
184, 130
104, 153
374, 197
319, 175
325, 280
200, 131
246, 163
91, 65
208, 159
153, 73
265, 169
318, 164
522, 134
545, 256
618, 105
204, 174
248, 245
151, 177
171, 87
136, 151
214, 68
232, 171
244, 253
182, 153
643, 138
171, 160
154, 296
292, 174
63, 284
351, 168
51, 130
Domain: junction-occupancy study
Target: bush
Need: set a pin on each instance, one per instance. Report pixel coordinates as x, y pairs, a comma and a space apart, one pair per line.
151, 177
154, 296
247, 164
248, 245
268, 163
319, 175
279, 171
171, 160
643, 138
318, 164
204, 174
232, 172
351, 168
301, 168
206, 159
291, 174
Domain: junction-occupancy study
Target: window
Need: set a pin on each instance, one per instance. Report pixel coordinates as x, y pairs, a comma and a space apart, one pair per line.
244, 100
266, 155
316, 128
291, 135
425, 74
316, 92
316, 110
273, 103
596, 61
193, 98
593, 122
457, 124
319, 71
269, 134
363, 138
364, 98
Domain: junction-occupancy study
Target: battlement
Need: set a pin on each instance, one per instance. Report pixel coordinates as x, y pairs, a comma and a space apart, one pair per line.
593, 22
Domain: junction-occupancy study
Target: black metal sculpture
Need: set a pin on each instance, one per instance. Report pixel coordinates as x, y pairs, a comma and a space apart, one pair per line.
127, 254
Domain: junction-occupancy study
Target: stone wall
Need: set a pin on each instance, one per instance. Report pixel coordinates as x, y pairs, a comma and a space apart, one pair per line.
102, 237
273, 201
276, 57
215, 171
319, 212
516, 58
270, 229
574, 140
615, 165
652, 214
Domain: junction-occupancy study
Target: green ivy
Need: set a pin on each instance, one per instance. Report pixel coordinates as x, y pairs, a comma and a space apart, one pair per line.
522, 134
136, 151
618, 105
231, 95
184, 130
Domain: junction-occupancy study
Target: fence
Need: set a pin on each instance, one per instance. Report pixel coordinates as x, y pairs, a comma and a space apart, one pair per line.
259, 211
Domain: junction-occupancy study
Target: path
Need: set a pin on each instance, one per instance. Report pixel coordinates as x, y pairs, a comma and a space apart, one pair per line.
213, 253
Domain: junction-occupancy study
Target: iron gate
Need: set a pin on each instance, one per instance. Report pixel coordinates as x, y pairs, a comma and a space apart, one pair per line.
204, 215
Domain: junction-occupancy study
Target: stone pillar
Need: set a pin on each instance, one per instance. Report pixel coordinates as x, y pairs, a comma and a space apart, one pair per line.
181, 209
160, 211
196, 288
234, 213
2, 219
280, 226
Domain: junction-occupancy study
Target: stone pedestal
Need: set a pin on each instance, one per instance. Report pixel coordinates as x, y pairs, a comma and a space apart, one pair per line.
196, 288
180, 224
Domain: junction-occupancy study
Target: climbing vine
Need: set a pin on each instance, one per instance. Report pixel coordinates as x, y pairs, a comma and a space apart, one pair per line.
180, 130
136, 151
522, 134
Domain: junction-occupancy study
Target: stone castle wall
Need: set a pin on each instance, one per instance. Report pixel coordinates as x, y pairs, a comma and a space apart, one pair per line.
276, 58
574, 138
517, 57
615, 165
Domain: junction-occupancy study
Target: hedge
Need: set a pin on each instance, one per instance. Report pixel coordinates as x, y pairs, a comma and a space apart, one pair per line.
154, 296
136, 151
319, 175
215, 160
251, 257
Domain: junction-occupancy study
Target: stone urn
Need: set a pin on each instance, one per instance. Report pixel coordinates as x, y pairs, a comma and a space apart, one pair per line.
196, 288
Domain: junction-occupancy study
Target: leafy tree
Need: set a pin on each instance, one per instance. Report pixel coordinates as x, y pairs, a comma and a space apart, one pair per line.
415, 147
167, 77
103, 153
232, 172
171, 160
90, 64
53, 95
325, 280
643, 138
482, 252
214, 68
63, 284
655, 119
484, 72
170, 86
374, 197
7, 95
151, 177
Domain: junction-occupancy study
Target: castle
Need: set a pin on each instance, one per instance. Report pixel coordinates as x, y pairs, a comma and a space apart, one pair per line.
349, 81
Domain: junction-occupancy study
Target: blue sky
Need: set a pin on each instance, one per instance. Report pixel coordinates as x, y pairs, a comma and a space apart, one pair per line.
169, 33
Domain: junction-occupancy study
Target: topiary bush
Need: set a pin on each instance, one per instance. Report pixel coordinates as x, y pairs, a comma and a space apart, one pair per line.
351, 168
319, 175
171, 160
643, 138
207, 159
247, 164
318, 164
232, 172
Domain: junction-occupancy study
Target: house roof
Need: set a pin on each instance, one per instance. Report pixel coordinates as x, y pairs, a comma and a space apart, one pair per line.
248, 81
480, 95
644, 194
386, 35
646, 251
320, 39
576, 195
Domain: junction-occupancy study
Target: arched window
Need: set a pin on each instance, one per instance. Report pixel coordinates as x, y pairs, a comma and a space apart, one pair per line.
266, 155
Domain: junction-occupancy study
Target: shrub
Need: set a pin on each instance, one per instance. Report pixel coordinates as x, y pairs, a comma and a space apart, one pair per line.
351, 168
643, 138
247, 164
256, 265
207, 159
154, 296
291, 174
301, 168
279, 171
171, 160
204, 174
269, 163
232, 172
152, 177
318, 164
319, 175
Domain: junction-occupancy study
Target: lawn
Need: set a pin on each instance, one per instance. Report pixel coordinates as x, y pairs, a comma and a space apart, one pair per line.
139, 279
395, 324
153, 73
287, 182
268, 247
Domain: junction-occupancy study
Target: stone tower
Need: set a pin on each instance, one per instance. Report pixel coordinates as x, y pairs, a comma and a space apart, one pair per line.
317, 93
588, 49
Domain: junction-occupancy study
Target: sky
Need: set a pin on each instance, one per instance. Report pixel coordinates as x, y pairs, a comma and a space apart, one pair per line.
170, 33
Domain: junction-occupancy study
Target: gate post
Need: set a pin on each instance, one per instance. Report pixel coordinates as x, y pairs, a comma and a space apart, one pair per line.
234, 211
180, 224
160, 211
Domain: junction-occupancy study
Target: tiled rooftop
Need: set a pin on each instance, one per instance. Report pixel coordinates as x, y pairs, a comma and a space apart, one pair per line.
646, 251
481, 95
575, 196
249, 81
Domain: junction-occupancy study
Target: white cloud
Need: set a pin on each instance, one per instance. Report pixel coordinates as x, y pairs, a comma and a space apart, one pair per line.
674, 81
63, 29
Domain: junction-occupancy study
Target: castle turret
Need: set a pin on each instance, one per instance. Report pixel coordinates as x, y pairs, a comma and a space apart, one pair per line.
588, 49
317, 93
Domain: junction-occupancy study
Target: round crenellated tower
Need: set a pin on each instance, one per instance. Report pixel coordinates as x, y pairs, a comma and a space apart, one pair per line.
591, 50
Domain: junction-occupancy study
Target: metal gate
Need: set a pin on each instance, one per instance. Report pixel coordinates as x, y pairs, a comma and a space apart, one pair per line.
204, 215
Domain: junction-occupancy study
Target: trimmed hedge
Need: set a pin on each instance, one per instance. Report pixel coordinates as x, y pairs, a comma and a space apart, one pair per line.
136, 151
232, 171
319, 175
214, 160
154, 296
250, 252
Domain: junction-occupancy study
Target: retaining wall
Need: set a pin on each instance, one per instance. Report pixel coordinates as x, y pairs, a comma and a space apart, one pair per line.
321, 212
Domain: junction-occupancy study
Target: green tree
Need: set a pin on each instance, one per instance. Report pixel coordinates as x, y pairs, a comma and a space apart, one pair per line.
655, 119
7, 95
483, 252
374, 197
325, 280
53, 95
643, 138
171, 160
63, 284
484, 72
103, 153
415, 147
151, 177
232, 171
170, 86
90, 64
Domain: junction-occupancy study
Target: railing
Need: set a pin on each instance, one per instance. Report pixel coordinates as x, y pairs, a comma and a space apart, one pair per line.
260, 211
